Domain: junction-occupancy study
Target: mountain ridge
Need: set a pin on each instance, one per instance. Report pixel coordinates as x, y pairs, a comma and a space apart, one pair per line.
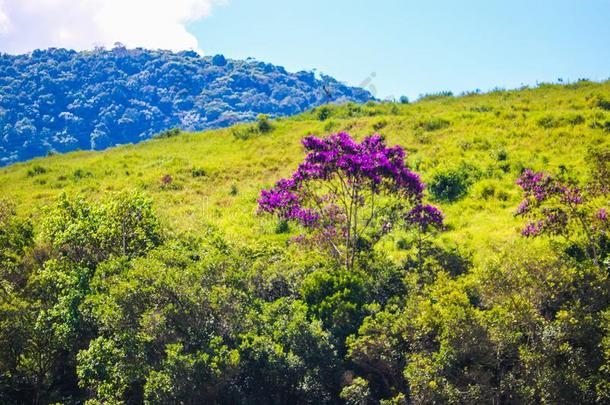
58, 100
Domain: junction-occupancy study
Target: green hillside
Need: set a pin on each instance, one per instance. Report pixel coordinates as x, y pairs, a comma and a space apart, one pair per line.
146, 274
217, 176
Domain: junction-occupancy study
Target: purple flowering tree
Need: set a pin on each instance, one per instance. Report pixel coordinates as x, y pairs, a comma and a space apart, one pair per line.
336, 192
561, 208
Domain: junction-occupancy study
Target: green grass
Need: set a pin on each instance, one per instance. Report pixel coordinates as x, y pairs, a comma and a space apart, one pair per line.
216, 176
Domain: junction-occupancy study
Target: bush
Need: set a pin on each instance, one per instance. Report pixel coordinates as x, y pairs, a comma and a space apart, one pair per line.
380, 125
548, 122
262, 126
335, 297
600, 101
263, 123
169, 133
451, 184
36, 170
501, 155
433, 124
81, 174
324, 113
197, 172
244, 132
282, 227
551, 121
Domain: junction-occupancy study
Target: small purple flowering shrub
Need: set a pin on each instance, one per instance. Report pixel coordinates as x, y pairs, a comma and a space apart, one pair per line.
335, 193
561, 208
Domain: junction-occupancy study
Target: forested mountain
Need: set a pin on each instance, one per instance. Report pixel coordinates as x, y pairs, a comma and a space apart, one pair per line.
459, 256
59, 100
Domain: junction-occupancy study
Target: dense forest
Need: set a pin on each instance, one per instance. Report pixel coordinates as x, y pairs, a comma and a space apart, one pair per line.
452, 250
59, 100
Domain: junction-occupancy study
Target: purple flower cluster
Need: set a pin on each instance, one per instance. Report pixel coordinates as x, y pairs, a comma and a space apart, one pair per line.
286, 204
425, 216
536, 185
532, 229
367, 162
553, 205
539, 187
367, 165
547, 199
553, 221
559, 207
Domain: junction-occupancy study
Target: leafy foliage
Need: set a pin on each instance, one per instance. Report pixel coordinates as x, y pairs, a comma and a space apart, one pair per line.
206, 302
333, 192
58, 100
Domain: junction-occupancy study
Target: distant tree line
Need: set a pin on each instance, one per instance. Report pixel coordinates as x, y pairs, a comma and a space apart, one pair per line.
59, 100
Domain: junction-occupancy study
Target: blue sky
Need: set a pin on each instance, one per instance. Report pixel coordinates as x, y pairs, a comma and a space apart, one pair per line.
411, 47
415, 47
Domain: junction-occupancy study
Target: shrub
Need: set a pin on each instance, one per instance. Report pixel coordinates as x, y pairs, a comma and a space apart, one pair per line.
169, 133
244, 132
36, 170
380, 125
575, 119
197, 172
605, 126
354, 110
452, 184
548, 122
433, 124
551, 121
502, 195
336, 298
404, 100
487, 191
263, 125
80, 174
282, 227
600, 101
505, 167
501, 155
402, 244
324, 113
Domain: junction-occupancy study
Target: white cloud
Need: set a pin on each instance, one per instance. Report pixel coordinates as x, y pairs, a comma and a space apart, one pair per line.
82, 24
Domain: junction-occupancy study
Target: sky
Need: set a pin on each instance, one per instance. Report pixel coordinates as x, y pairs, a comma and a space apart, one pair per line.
390, 47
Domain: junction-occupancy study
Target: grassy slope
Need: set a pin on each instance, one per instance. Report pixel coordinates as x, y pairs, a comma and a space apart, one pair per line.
479, 127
